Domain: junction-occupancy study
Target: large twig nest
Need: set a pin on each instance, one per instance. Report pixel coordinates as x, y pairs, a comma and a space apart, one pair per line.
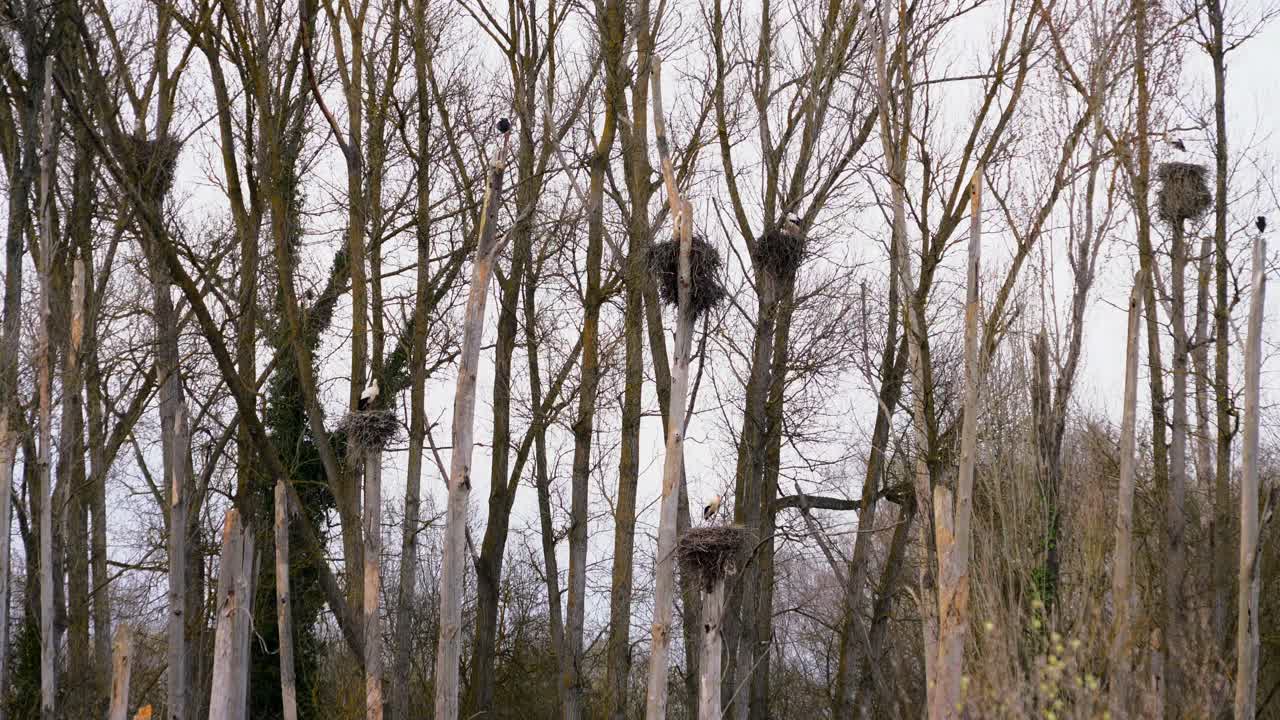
370, 429
152, 161
704, 270
1183, 193
708, 552
780, 252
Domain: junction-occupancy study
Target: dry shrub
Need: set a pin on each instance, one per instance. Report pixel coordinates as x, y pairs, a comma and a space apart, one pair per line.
704, 269
707, 552
780, 253
1183, 193
152, 161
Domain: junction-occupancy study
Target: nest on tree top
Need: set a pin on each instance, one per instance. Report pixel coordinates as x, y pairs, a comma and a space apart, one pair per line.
780, 253
705, 291
1183, 193
370, 430
152, 161
708, 552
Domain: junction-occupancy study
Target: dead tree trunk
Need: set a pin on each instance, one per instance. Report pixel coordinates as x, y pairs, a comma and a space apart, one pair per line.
284, 613
454, 561
228, 694
48, 642
673, 464
951, 526
121, 668
712, 644
1247, 648
372, 583
1122, 562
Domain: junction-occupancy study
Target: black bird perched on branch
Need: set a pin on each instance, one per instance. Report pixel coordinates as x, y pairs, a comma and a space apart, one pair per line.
504, 126
1261, 222
1179, 146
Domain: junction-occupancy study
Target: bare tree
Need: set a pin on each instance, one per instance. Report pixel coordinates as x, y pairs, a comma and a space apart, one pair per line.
1247, 641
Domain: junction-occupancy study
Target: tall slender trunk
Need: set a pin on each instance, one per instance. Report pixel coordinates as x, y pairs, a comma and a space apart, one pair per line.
400, 664
952, 519
1141, 182
542, 480
502, 485
454, 560
673, 463
712, 646
1175, 509
1247, 647
373, 583
80, 679
48, 641
8, 453
637, 171
758, 707
1121, 650
1221, 536
585, 424
284, 610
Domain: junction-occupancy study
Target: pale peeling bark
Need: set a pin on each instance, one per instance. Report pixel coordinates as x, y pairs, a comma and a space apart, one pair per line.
952, 527
228, 692
673, 464
121, 669
453, 563
1122, 561
284, 613
1247, 647
372, 584
48, 641
712, 643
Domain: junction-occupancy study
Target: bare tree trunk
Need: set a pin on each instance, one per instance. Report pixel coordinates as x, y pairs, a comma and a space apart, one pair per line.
1122, 562
673, 464
1175, 560
228, 693
372, 584
284, 612
453, 563
637, 172
585, 423
712, 644
179, 660
121, 669
400, 664
1140, 178
952, 524
1221, 536
48, 642
1247, 646
8, 452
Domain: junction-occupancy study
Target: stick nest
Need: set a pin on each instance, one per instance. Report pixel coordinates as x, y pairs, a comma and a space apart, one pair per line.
704, 269
708, 552
370, 429
1183, 193
152, 162
780, 253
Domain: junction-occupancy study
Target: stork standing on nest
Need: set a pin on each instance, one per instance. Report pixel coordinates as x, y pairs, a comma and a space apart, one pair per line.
712, 509
369, 396
791, 226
